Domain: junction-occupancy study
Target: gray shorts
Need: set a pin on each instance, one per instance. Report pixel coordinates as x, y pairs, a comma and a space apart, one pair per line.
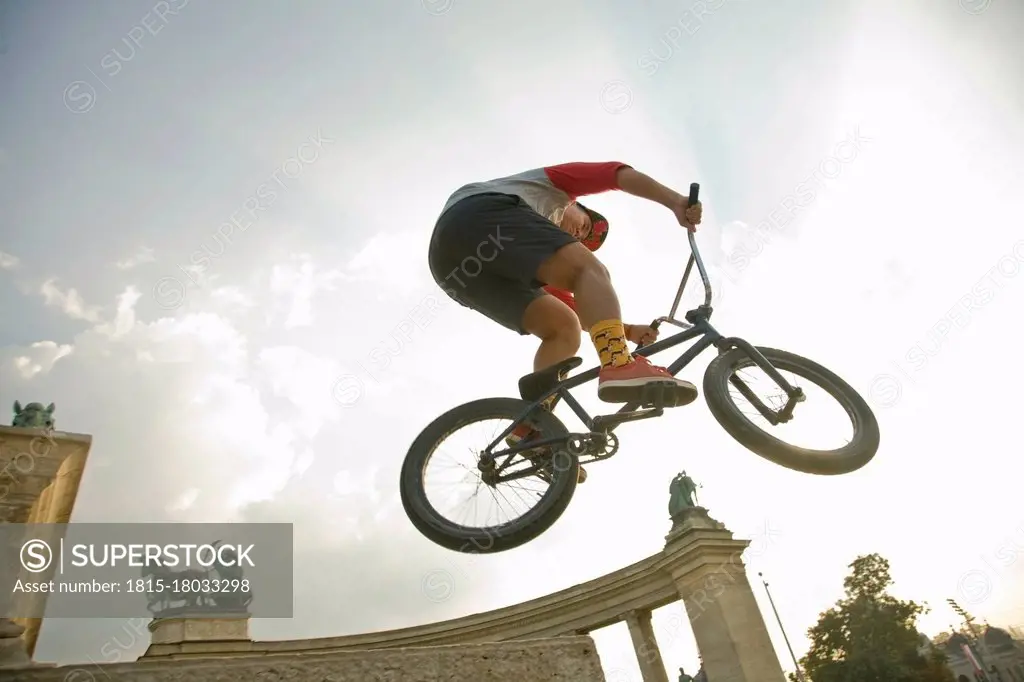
485, 253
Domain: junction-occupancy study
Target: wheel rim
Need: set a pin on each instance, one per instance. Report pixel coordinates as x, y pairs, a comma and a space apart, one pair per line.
454, 487
823, 422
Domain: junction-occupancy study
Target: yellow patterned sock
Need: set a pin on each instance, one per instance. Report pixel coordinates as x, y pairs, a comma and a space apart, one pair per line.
609, 339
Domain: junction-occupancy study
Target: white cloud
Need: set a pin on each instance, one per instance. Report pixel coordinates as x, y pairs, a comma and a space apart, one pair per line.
195, 421
183, 501
305, 381
392, 263
124, 319
232, 297
389, 252
40, 357
294, 284
69, 301
201, 413
143, 255
8, 262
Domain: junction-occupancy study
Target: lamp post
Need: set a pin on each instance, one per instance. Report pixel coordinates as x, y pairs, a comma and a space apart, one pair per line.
979, 641
796, 665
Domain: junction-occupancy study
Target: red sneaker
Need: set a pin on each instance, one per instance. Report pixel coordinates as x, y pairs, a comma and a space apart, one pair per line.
626, 384
526, 433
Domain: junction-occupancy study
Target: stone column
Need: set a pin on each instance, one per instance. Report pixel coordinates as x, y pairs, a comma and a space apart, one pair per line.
652, 668
32, 490
55, 507
705, 563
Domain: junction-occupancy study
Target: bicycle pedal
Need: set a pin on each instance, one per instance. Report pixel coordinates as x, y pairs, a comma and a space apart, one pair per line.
662, 394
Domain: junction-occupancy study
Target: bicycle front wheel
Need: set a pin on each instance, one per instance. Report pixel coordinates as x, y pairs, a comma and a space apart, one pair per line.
832, 432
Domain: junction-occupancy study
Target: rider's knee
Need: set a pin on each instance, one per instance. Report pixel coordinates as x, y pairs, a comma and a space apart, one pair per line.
564, 325
584, 268
568, 331
552, 320
572, 264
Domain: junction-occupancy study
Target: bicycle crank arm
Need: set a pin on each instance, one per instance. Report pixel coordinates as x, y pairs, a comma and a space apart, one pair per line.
606, 422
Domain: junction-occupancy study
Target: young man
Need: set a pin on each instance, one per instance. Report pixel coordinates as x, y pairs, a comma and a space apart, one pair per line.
519, 249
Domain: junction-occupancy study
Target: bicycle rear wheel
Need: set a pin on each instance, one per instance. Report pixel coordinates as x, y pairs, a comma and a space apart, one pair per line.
545, 494
738, 416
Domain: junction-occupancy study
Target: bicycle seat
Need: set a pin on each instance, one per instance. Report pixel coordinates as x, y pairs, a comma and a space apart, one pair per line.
533, 386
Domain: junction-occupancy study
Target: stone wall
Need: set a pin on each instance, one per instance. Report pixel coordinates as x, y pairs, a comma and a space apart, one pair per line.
560, 659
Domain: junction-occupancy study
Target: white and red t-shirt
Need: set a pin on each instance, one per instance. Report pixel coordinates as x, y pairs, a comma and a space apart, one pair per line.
549, 191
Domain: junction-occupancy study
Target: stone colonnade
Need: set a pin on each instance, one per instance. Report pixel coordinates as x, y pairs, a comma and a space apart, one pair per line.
701, 565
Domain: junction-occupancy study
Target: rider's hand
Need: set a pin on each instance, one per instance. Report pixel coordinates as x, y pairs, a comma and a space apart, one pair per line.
688, 216
641, 334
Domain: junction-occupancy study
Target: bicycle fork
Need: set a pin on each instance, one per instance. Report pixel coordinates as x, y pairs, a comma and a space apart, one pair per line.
794, 394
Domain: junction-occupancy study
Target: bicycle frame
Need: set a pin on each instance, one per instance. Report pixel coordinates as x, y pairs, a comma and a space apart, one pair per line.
696, 325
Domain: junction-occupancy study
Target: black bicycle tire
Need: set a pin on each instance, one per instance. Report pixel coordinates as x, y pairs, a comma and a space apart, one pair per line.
512, 534
847, 459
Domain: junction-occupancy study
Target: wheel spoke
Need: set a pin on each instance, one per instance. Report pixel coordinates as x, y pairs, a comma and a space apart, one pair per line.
503, 502
820, 422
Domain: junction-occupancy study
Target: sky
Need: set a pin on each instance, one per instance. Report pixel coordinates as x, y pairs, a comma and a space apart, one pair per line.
278, 367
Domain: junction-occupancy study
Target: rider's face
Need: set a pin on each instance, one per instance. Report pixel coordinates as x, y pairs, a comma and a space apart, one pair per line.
576, 221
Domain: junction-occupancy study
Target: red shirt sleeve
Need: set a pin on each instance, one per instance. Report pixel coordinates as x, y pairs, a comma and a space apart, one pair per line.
562, 295
581, 178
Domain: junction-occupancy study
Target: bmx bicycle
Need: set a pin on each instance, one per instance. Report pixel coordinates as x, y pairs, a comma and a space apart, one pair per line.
551, 458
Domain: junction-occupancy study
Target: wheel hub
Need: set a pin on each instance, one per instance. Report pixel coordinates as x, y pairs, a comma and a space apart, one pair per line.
488, 472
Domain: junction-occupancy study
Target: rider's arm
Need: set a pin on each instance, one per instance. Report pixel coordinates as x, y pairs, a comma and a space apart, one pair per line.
582, 178
636, 183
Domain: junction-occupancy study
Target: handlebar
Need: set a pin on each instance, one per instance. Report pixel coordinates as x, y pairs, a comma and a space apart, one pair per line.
692, 199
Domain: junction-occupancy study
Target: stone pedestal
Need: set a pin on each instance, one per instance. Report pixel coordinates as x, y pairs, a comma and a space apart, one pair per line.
204, 629
198, 635
706, 565
40, 471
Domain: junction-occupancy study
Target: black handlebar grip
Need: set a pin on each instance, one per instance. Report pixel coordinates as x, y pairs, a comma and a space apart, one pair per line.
694, 193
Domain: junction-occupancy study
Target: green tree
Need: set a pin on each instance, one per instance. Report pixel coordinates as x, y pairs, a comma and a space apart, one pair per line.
869, 635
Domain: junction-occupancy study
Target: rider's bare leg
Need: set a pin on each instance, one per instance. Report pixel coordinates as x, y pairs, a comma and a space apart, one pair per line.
621, 379
576, 268
557, 327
